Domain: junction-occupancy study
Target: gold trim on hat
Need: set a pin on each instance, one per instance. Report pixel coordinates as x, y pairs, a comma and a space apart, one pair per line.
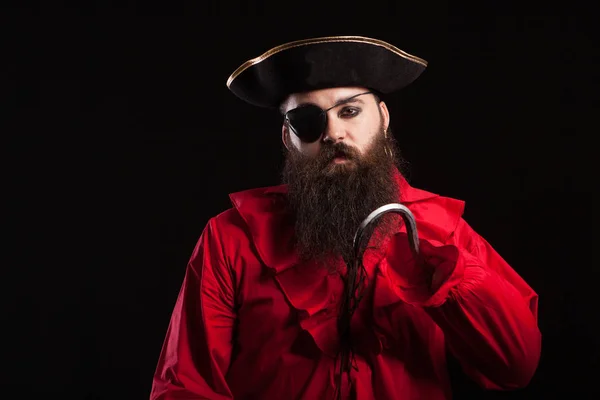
326, 39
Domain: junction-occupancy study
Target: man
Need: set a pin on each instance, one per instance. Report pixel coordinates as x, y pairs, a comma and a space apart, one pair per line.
261, 311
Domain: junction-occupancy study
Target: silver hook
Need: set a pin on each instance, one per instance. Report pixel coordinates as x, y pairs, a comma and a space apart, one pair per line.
407, 216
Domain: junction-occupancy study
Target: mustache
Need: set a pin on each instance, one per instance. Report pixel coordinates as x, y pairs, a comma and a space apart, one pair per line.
330, 151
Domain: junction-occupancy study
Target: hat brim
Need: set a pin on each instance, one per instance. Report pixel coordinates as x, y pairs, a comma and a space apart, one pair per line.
325, 62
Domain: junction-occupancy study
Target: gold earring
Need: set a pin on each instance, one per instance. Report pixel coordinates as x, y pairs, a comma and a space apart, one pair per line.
388, 152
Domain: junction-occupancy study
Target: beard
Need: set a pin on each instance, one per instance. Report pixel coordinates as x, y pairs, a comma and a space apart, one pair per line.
330, 200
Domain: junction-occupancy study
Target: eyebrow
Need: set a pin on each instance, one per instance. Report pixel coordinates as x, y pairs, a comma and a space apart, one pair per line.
351, 99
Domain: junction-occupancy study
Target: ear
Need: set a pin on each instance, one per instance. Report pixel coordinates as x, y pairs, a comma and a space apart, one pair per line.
385, 115
285, 135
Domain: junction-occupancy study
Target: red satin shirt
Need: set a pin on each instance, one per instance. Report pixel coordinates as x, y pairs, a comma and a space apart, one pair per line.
251, 322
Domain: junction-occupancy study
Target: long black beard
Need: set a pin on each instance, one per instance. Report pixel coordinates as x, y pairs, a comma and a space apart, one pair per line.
330, 201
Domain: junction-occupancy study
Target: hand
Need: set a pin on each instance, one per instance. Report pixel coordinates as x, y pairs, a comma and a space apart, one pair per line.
423, 274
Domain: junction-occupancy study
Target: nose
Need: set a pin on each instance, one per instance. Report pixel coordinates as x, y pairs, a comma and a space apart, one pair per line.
334, 130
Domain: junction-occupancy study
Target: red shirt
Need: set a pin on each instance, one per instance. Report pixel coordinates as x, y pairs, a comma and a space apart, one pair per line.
251, 322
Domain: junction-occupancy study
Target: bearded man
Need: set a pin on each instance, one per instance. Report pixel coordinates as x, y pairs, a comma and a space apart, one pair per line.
263, 311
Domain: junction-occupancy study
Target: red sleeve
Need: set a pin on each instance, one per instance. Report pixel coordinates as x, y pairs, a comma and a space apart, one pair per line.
487, 312
197, 349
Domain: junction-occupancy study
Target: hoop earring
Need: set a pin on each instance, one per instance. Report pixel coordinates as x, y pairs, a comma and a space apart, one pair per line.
386, 148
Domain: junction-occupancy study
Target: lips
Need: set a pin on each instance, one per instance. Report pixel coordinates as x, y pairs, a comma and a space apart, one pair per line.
337, 154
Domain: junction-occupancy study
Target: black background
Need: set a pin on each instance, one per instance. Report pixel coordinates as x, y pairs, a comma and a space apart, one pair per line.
122, 141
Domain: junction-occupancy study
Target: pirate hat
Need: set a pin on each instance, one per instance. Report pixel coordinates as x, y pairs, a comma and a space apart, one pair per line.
324, 62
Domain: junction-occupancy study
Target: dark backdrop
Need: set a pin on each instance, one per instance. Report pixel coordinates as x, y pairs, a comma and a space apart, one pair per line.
123, 140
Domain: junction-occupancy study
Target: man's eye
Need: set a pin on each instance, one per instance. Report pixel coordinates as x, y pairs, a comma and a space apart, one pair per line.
349, 112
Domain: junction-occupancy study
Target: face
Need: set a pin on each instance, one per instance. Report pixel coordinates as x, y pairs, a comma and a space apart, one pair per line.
353, 119
337, 180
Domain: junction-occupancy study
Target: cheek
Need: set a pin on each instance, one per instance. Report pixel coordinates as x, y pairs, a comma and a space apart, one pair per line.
307, 149
311, 149
364, 141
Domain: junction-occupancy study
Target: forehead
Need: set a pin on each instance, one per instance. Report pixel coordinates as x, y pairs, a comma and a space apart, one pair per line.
324, 98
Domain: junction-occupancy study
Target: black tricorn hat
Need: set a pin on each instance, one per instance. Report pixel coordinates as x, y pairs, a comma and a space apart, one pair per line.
324, 62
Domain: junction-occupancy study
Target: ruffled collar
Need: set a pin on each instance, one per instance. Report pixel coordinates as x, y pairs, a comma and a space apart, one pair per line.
271, 224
